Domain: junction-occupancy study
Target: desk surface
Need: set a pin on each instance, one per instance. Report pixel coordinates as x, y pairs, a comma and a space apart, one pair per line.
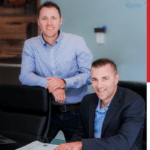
26, 139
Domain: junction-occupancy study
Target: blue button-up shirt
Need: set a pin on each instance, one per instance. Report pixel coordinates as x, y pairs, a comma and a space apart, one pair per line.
68, 59
100, 114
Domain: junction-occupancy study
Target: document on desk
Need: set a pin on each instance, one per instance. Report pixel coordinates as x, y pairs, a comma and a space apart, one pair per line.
36, 145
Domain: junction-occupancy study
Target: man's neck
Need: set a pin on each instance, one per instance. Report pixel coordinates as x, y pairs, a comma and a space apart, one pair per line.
50, 40
104, 103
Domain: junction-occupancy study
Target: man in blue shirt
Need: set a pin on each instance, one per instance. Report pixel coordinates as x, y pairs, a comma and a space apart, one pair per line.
112, 118
61, 63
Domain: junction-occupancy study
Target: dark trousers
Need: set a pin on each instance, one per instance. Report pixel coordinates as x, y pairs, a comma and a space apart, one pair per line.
64, 121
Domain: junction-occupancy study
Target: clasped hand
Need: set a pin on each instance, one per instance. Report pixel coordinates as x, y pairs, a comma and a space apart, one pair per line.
55, 86
54, 83
70, 146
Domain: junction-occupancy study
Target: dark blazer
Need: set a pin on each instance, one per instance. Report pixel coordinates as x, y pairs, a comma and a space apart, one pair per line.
122, 127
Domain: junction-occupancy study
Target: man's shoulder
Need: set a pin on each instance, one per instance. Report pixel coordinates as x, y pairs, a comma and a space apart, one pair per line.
33, 40
71, 36
129, 95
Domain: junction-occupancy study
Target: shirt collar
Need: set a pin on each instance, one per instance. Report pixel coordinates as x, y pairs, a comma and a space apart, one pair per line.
60, 37
57, 40
98, 108
42, 40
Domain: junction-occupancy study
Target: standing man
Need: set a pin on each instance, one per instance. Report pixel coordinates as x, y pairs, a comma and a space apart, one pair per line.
61, 63
112, 118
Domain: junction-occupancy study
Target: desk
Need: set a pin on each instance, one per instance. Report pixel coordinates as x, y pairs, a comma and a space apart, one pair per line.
25, 139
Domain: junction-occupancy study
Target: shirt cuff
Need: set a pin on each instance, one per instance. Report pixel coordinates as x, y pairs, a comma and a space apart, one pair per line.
69, 83
43, 82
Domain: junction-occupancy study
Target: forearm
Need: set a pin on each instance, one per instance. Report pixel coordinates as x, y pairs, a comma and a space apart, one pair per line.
82, 76
106, 143
78, 80
32, 79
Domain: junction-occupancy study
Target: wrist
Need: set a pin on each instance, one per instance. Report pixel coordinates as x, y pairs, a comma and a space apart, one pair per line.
64, 82
79, 143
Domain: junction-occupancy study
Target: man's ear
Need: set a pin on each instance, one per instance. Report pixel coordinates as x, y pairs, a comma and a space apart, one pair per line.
38, 21
61, 20
117, 78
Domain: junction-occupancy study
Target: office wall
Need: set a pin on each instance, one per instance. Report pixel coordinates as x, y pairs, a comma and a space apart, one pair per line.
125, 38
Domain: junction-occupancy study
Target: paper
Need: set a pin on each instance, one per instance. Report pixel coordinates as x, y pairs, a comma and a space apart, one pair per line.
36, 145
100, 37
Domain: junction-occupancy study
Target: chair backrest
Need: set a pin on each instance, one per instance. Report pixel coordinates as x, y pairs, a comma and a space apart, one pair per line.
141, 89
23, 110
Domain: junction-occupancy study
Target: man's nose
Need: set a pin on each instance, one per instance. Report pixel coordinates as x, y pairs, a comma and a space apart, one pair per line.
100, 84
49, 21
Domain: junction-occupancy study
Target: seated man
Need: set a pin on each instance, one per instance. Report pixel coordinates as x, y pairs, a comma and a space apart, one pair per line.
110, 119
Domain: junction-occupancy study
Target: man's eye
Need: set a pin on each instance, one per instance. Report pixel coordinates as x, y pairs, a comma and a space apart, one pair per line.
43, 18
54, 18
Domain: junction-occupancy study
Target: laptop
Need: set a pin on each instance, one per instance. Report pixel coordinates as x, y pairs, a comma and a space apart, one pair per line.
4, 140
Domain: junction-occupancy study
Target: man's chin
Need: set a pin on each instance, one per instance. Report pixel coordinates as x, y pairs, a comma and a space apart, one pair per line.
101, 97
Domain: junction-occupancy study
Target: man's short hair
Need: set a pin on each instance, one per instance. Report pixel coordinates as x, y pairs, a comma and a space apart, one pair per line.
48, 5
104, 61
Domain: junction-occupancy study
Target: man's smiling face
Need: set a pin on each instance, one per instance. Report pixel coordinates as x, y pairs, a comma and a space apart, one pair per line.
49, 21
104, 82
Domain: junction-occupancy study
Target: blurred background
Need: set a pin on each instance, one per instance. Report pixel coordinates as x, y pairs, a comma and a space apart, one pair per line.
125, 36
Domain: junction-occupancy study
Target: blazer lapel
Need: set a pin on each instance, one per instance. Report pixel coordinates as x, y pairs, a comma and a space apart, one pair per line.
113, 108
91, 114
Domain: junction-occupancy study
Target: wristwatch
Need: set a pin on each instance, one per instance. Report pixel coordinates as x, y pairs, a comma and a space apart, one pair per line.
64, 81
